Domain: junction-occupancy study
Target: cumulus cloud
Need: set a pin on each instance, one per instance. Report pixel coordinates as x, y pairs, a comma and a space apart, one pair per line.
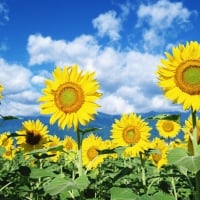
127, 77
161, 18
40, 77
113, 104
108, 24
4, 17
15, 78
45, 49
19, 95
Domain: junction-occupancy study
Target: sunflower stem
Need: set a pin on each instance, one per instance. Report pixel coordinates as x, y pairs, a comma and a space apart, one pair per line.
143, 175
194, 145
79, 141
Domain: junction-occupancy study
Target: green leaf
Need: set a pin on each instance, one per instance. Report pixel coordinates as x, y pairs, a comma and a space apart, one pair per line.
157, 196
9, 117
38, 173
172, 117
59, 185
2, 150
180, 158
82, 182
119, 150
118, 193
88, 130
163, 196
54, 148
176, 154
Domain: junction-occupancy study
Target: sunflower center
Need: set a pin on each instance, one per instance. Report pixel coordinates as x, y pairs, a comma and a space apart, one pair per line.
131, 135
188, 77
32, 138
68, 145
156, 157
92, 153
69, 97
168, 126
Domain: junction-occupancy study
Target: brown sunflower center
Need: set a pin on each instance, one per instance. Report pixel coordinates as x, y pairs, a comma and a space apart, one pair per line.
69, 97
33, 138
131, 135
92, 153
156, 157
188, 77
168, 126
68, 145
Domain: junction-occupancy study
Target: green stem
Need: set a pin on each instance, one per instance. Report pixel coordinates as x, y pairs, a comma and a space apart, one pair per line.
143, 175
195, 144
174, 188
80, 164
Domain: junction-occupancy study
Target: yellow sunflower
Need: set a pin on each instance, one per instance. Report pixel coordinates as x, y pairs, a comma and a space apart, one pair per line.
90, 155
69, 144
1, 89
131, 131
159, 158
33, 135
168, 128
179, 75
8, 143
70, 97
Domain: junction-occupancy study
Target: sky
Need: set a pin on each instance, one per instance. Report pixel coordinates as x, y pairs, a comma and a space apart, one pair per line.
122, 41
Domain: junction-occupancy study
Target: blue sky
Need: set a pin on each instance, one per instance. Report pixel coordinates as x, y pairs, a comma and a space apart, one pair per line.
123, 41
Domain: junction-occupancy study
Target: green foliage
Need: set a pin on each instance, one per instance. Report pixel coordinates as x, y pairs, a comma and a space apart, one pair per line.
175, 118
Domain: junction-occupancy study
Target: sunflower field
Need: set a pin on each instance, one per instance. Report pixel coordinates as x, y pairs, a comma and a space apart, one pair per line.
131, 165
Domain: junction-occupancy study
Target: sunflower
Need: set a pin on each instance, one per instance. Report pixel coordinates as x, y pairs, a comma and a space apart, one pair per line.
179, 75
1, 89
131, 131
8, 144
159, 158
168, 128
33, 135
69, 144
90, 151
70, 97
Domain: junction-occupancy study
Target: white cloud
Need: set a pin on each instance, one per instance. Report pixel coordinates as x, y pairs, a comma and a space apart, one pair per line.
161, 19
163, 14
4, 17
44, 49
127, 77
41, 77
159, 103
108, 24
19, 96
15, 108
115, 105
15, 78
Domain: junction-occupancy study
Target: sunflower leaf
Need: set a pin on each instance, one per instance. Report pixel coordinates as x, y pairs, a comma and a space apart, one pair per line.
54, 148
59, 185
106, 151
88, 130
9, 117
172, 117
82, 182
180, 158
38, 173
118, 193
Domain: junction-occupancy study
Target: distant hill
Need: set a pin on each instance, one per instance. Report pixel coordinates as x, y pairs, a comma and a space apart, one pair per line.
102, 120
